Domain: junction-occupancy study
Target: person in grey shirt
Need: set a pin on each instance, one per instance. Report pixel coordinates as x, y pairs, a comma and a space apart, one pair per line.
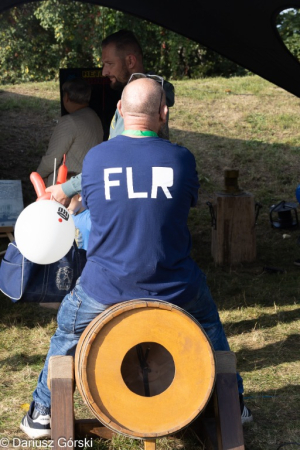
75, 132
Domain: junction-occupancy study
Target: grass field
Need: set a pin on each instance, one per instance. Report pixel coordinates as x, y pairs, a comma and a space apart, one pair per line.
242, 123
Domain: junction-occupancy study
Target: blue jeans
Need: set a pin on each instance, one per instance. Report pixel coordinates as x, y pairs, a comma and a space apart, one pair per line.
77, 310
203, 308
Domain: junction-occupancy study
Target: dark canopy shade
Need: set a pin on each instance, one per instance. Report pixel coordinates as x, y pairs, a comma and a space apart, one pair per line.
244, 31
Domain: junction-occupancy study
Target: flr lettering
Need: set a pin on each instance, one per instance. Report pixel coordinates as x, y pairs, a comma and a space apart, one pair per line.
162, 178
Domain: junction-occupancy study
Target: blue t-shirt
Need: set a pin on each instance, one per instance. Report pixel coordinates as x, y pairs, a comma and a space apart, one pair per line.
82, 228
139, 192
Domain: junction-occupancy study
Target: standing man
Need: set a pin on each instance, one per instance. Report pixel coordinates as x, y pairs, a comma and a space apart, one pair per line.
122, 56
139, 189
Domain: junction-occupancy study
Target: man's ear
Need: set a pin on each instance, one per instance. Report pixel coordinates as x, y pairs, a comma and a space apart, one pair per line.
119, 108
130, 61
163, 113
79, 197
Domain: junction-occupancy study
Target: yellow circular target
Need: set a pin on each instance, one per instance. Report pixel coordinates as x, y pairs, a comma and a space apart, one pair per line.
145, 368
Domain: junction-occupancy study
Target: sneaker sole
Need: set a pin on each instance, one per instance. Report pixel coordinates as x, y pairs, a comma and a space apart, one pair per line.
35, 433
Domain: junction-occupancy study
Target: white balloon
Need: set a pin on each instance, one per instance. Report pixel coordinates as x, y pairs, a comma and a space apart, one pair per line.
44, 232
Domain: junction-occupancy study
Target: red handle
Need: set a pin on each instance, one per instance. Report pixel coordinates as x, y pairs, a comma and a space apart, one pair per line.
62, 172
39, 186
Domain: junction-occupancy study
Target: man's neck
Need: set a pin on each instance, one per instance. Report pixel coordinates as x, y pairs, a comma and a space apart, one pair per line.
140, 133
141, 123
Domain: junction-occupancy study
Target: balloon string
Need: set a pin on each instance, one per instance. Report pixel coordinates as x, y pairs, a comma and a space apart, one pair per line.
54, 176
54, 173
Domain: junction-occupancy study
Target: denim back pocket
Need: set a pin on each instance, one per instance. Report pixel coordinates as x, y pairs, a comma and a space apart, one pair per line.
67, 313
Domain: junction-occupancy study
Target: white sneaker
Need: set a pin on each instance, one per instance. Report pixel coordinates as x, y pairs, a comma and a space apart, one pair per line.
35, 424
246, 415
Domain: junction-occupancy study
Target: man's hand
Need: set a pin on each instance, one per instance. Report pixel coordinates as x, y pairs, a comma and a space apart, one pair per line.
58, 194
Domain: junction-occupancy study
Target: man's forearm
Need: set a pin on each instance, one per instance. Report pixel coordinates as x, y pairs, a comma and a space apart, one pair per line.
73, 186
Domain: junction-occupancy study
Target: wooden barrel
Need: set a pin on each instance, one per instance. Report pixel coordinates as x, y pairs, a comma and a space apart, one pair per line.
145, 368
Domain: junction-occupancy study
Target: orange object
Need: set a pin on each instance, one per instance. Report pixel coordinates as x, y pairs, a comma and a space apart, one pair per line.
148, 383
39, 186
62, 172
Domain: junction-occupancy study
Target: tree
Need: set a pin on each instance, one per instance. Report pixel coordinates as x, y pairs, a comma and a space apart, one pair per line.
288, 26
25, 47
39, 38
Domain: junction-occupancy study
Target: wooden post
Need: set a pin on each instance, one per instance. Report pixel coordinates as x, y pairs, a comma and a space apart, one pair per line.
61, 381
233, 223
234, 237
227, 405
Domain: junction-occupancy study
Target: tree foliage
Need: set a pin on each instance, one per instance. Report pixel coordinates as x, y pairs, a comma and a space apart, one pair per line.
25, 46
288, 25
39, 38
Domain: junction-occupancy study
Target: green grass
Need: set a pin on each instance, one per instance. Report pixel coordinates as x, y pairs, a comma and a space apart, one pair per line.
243, 123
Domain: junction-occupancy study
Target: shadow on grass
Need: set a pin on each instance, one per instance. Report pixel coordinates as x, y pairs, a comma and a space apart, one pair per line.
270, 355
252, 283
24, 314
21, 360
26, 124
263, 321
276, 419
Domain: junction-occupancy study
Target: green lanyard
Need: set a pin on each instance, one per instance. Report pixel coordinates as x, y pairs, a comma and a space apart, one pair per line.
141, 133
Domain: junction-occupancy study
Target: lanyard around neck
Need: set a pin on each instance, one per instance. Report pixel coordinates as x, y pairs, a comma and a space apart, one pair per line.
145, 133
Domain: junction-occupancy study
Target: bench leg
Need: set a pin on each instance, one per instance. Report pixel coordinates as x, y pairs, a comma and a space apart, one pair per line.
61, 381
227, 405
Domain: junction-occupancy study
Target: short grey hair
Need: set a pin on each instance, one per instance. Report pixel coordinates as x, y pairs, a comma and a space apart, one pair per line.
78, 90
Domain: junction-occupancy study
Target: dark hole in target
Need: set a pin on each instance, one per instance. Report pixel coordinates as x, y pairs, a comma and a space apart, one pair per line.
148, 369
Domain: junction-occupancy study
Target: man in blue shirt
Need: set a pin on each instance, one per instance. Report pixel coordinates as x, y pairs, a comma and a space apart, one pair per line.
139, 189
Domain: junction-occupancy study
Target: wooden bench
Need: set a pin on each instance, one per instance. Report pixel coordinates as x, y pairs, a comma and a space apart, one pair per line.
222, 431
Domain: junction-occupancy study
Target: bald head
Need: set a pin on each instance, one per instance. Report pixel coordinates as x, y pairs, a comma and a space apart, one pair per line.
143, 105
142, 97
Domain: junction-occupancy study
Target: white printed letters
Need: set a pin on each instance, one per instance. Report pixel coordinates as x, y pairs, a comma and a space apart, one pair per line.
108, 182
162, 177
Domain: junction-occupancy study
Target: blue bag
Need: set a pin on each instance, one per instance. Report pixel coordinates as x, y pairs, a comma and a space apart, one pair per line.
23, 280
